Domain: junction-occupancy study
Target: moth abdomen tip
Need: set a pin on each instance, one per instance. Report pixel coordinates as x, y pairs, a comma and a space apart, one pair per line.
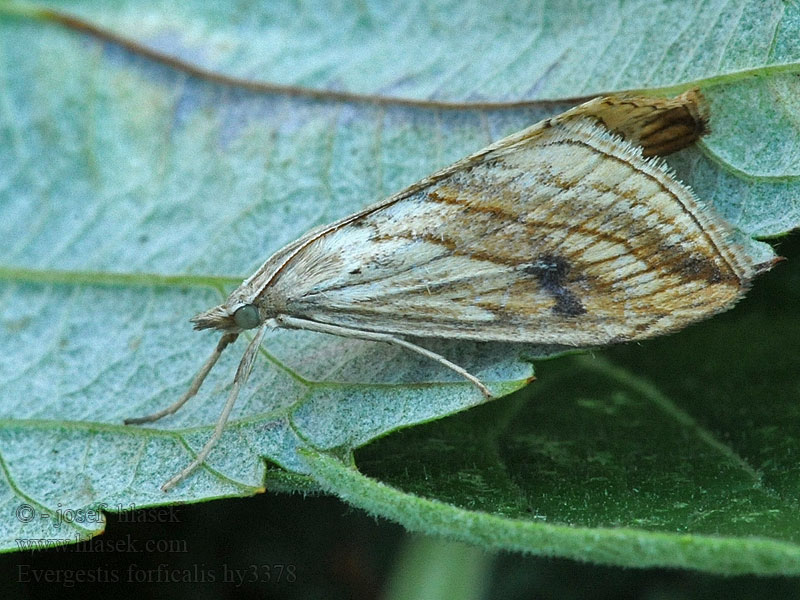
763, 267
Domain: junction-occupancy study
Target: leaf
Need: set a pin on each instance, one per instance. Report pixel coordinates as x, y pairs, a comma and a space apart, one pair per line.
139, 182
678, 452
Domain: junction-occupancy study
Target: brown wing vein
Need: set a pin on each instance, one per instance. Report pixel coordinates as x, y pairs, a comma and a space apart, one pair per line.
660, 184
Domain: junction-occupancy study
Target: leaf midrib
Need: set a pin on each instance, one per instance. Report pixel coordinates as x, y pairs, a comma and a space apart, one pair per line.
78, 24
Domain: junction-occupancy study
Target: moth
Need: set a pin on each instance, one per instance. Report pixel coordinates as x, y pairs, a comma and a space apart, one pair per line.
571, 232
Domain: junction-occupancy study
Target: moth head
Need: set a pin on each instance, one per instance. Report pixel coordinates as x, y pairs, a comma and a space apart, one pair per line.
232, 318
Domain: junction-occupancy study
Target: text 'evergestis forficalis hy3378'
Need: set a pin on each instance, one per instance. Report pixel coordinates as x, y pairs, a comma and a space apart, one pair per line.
571, 232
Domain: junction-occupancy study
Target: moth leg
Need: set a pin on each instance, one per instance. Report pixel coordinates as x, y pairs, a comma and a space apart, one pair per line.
223, 343
242, 373
294, 323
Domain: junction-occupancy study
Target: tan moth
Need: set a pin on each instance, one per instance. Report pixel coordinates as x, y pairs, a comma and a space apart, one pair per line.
565, 233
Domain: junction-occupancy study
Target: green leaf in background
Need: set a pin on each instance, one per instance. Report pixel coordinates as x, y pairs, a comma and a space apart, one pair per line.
153, 155
680, 451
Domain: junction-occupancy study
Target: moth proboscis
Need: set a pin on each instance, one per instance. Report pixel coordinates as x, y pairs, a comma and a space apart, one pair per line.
571, 232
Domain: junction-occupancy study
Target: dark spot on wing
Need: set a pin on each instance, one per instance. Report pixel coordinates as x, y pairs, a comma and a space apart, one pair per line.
551, 271
693, 267
700, 267
568, 305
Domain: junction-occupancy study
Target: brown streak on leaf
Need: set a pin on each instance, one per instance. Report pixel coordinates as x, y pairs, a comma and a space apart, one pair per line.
100, 33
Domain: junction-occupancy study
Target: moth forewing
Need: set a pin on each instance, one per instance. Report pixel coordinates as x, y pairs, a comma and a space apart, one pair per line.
659, 126
564, 233
564, 237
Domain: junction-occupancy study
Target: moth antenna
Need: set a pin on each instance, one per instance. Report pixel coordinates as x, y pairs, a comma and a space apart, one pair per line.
242, 373
198, 380
294, 323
